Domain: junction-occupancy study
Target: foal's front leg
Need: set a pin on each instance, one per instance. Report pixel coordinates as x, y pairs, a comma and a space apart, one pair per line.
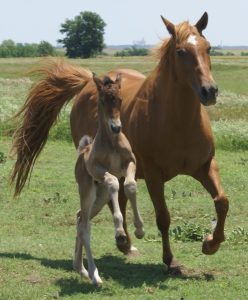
130, 188
112, 185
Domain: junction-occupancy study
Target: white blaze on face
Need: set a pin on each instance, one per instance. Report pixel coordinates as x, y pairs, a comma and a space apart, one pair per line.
192, 40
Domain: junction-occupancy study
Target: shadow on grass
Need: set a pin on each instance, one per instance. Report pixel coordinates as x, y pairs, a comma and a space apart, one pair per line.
126, 274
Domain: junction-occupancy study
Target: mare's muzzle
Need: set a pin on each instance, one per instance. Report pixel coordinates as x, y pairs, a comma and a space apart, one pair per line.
208, 94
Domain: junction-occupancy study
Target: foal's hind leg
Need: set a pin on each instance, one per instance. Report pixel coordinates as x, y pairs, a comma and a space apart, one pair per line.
87, 198
87, 194
78, 261
130, 187
209, 177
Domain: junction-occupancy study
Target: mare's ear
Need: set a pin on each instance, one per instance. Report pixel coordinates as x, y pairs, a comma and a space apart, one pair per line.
118, 79
170, 26
98, 82
202, 23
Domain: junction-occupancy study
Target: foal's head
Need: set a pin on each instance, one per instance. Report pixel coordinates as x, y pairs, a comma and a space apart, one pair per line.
189, 51
109, 102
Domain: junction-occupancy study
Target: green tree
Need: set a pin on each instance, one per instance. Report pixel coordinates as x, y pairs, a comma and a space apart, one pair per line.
83, 35
45, 49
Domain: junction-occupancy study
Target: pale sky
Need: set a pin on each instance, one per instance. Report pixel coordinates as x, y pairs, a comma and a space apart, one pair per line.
127, 20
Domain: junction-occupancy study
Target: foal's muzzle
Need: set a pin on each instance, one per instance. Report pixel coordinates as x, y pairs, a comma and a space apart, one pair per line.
115, 126
208, 94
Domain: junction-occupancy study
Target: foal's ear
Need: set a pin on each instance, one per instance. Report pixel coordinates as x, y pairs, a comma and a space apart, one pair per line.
202, 23
118, 79
98, 82
170, 26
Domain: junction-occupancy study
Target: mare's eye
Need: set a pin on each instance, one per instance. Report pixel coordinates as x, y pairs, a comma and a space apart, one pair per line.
208, 50
181, 52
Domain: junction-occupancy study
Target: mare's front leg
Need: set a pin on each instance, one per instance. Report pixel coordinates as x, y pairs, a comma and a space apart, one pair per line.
209, 177
155, 185
130, 188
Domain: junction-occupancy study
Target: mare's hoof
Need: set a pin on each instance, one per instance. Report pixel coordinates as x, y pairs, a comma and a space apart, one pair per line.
209, 246
175, 269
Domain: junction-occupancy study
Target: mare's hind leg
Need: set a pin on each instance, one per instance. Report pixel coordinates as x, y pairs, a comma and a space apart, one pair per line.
130, 188
209, 177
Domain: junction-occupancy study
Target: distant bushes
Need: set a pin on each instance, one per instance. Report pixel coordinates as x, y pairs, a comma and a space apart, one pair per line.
9, 48
215, 52
244, 53
133, 51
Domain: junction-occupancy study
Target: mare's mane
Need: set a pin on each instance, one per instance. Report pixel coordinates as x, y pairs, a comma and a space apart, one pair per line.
183, 31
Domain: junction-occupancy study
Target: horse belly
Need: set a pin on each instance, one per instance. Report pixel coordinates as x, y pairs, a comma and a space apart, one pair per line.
184, 162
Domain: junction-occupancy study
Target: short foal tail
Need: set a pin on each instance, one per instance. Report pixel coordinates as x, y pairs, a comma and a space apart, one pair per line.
60, 82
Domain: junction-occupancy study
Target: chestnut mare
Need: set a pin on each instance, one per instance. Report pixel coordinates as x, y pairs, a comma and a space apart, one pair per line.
163, 117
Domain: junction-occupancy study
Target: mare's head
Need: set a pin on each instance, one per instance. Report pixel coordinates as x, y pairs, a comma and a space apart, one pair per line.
188, 52
109, 101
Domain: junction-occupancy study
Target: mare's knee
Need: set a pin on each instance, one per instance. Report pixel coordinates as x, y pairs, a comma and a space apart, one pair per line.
221, 204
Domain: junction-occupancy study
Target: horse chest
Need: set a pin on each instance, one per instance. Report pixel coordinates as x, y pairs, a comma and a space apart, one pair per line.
115, 165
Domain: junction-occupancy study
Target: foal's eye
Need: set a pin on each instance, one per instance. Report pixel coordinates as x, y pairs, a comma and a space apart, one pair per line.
181, 52
208, 50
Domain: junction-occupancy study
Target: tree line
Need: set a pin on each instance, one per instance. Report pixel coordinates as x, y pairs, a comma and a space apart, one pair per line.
9, 48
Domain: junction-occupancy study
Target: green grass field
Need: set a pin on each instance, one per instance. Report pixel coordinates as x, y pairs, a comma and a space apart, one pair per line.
37, 231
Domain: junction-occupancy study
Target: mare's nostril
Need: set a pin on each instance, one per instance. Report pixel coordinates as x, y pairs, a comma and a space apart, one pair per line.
204, 92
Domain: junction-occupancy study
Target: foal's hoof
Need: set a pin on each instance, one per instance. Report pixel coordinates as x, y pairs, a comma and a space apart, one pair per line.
122, 243
133, 251
209, 246
139, 233
96, 279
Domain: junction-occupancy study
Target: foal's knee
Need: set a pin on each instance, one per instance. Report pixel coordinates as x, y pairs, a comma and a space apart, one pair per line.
112, 183
130, 187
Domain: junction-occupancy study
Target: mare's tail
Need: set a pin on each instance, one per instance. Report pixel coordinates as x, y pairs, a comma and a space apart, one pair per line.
60, 82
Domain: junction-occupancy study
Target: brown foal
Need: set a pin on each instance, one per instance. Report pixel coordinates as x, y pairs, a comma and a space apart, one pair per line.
100, 164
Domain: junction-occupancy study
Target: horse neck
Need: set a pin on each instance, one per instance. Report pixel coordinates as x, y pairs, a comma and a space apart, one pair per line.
173, 97
103, 133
